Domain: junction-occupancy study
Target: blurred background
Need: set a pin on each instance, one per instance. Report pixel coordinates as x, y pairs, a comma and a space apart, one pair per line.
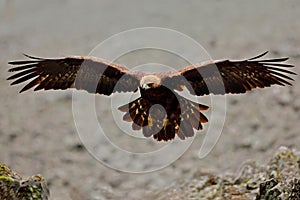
38, 133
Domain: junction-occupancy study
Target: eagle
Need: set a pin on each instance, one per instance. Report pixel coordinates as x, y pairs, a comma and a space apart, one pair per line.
176, 114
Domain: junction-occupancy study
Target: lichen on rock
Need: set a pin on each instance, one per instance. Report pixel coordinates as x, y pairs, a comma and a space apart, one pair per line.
12, 186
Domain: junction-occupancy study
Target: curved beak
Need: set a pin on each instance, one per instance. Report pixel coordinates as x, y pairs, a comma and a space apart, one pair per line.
146, 86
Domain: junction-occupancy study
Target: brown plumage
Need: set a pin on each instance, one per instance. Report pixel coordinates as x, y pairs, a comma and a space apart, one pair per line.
160, 110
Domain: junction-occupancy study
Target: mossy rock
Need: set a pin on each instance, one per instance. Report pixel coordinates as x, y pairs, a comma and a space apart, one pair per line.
12, 186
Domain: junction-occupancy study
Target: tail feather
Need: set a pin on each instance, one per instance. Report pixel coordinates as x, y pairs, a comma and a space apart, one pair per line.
163, 123
186, 128
136, 112
194, 119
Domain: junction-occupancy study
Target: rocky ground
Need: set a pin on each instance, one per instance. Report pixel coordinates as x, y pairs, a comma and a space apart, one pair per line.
38, 133
279, 179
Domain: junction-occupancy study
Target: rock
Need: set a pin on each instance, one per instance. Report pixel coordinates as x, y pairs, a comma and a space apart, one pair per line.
12, 186
279, 179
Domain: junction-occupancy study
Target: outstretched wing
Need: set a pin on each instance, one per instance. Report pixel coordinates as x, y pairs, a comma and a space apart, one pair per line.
81, 72
220, 77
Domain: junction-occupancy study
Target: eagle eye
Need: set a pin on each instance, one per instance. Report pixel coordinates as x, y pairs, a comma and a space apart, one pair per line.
147, 86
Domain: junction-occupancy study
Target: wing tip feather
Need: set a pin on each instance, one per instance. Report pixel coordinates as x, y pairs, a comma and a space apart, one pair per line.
22, 90
259, 56
32, 57
267, 60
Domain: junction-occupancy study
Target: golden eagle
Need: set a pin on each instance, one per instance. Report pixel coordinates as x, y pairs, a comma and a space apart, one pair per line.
179, 115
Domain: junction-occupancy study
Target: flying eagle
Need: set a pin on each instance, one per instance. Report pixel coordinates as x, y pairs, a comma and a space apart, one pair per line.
179, 115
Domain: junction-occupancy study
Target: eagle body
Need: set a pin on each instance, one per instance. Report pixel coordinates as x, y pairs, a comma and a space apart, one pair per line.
160, 111
157, 111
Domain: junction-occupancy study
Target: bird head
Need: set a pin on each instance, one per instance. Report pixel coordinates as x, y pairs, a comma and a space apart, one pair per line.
149, 82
